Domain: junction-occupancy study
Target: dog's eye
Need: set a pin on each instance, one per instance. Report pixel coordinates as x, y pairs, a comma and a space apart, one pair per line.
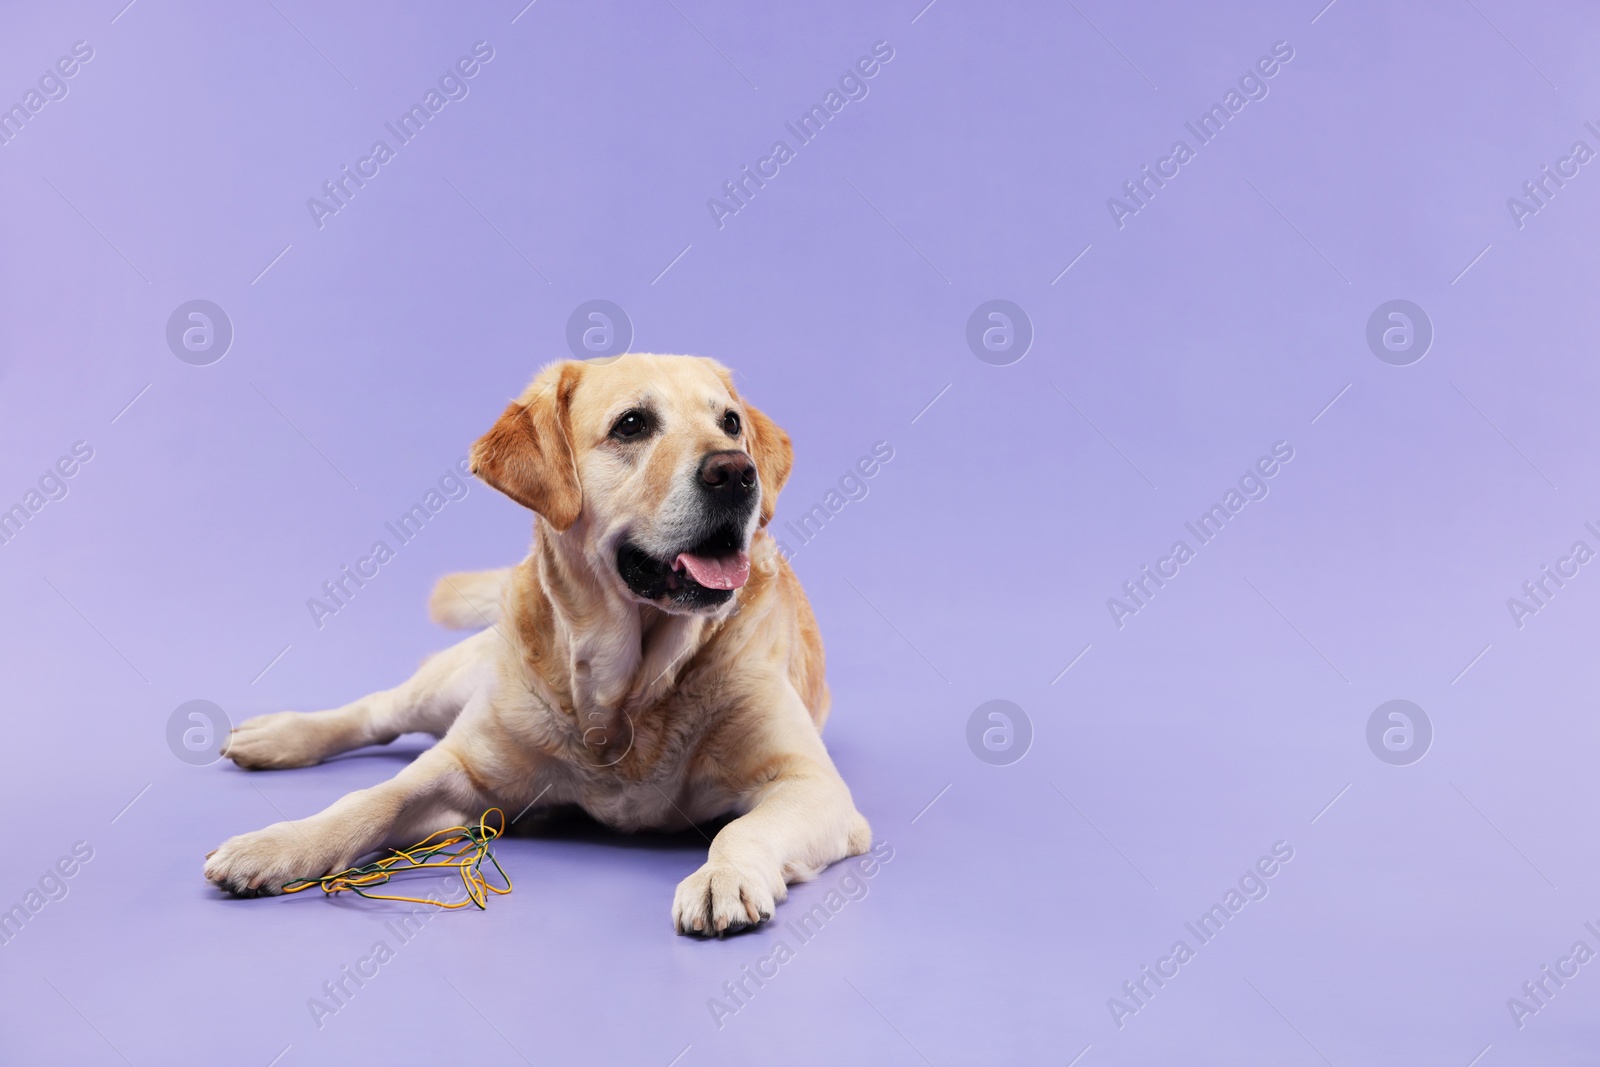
730, 424
631, 424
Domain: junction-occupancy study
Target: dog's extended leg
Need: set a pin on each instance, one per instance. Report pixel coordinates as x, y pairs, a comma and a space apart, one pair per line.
801, 819
432, 793
427, 703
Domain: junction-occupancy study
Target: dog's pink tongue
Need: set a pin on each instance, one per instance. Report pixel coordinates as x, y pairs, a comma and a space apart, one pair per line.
727, 572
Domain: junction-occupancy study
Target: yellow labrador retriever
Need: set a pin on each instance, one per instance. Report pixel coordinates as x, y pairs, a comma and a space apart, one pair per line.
653, 660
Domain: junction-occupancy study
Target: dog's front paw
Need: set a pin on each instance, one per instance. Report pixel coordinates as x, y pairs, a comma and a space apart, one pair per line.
278, 741
722, 898
259, 864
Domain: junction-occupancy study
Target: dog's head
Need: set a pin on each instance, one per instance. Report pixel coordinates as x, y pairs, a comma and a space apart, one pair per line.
653, 462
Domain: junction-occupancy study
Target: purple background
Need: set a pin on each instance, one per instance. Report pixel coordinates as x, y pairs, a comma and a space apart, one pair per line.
1223, 317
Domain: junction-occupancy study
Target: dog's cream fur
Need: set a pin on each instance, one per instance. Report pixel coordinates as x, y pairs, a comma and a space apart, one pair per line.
580, 692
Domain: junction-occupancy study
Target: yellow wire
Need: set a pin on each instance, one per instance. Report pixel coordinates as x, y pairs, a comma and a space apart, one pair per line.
467, 860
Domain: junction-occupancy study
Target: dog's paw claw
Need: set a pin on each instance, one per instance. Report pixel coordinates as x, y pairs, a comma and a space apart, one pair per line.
260, 864
722, 899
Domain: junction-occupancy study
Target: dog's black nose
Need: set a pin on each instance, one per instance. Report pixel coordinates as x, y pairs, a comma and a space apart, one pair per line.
728, 476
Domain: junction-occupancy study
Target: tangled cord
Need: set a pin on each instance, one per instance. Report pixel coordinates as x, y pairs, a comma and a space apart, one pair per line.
462, 848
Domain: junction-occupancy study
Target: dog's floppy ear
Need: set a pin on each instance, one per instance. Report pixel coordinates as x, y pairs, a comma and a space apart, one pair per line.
774, 455
527, 454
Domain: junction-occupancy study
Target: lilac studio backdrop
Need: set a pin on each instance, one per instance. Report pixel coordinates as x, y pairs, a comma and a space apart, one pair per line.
1306, 290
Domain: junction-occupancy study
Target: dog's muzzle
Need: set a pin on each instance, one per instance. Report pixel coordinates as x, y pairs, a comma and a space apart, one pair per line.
715, 562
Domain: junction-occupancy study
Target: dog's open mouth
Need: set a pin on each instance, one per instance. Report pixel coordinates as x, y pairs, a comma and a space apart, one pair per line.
704, 576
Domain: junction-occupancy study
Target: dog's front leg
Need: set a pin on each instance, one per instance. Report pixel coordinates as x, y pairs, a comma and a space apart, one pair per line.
434, 792
802, 819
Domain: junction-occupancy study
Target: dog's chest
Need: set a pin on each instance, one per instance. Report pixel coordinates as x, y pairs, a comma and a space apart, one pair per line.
668, 777
658, 806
